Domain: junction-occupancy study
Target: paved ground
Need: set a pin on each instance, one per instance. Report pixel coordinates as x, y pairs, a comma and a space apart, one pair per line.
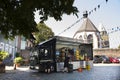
99, 72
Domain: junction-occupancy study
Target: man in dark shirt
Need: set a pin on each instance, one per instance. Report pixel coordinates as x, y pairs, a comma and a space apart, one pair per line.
66, 63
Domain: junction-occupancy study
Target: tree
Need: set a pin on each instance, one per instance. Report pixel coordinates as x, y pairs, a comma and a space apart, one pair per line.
119, 47
43, 33
17, 16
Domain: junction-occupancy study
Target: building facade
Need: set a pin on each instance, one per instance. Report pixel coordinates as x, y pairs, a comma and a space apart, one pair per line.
104, 36
88, 33
12, 46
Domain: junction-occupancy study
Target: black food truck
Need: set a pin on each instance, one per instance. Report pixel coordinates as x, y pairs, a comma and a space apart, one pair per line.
53, 52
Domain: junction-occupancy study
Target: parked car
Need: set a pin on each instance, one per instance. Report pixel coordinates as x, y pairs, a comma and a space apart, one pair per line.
97, 59
101, 59
113, 60
105, 59
118, 59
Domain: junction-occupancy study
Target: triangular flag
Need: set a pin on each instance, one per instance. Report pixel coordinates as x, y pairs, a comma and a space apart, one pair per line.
106, 1
95, 9
98, 6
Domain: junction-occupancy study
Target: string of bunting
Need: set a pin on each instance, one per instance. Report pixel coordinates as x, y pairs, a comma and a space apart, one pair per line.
89, 13
71, 26
112, 30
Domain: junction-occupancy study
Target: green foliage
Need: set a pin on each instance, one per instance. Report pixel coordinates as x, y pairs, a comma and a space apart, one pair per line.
17, 16
18, 60
3, 55
17, 54
43, 33
119, 47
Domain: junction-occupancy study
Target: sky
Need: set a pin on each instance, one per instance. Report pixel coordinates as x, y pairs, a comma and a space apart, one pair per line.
108, 14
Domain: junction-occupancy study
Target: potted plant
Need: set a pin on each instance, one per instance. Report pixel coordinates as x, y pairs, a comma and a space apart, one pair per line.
3, 55
18, 61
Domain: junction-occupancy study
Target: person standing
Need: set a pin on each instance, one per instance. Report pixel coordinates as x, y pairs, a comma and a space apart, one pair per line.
66, 63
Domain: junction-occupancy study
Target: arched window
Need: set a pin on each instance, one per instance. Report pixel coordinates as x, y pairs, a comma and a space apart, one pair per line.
80, 37
90, 38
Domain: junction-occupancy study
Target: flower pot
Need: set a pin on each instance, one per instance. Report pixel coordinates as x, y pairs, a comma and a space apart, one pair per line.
18, 65
0, 62
2, 68
79, 69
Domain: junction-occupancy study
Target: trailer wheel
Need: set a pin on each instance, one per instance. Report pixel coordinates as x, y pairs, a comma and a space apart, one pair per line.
32, 67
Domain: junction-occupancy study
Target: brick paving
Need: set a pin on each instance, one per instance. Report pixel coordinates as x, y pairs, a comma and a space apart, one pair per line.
97, 73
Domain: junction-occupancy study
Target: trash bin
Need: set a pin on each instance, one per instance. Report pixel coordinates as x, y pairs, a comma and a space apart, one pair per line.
70, 68
88, 67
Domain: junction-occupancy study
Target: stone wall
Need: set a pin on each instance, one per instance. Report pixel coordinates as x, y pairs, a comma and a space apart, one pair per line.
107, 52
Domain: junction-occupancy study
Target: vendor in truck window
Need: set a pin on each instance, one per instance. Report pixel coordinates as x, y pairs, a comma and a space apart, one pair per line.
46, 53
43, 54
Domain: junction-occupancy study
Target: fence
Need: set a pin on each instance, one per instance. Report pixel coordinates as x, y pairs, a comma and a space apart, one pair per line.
107, 52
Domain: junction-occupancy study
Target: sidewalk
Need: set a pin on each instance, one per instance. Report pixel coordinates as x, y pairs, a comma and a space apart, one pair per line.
22, 68
103, 64
26, 68
98, 72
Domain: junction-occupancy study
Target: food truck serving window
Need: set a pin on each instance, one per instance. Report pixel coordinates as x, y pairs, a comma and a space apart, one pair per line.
66, 49
74, 50
44, 53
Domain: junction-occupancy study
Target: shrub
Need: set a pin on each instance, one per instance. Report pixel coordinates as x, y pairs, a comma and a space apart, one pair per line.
3, 55
18, 60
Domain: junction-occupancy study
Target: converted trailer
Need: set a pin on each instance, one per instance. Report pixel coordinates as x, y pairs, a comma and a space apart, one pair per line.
54, 51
